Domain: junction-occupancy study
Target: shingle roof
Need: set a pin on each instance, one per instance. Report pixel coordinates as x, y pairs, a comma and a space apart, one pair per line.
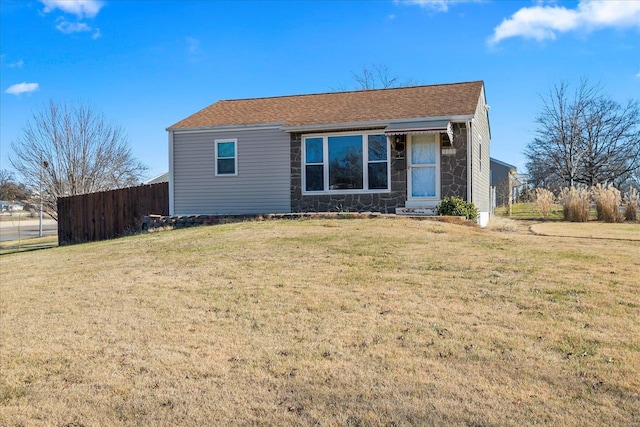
342, 107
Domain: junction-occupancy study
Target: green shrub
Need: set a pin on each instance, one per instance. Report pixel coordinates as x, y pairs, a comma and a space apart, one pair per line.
455, 206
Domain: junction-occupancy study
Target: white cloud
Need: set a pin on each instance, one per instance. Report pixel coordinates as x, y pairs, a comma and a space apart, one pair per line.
20, 88
18, 64
67, 27
193, 45
194, 51
544, 22
638, 75
435, 5
80, 8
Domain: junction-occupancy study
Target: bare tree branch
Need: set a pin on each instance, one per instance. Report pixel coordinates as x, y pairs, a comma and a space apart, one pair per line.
378, 76
71, 149
585, 139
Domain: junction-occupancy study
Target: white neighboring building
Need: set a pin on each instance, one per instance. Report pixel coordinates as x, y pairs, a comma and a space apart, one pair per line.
7, 206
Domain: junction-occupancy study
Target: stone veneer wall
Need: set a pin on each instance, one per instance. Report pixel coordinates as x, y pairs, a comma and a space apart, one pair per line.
453, 181
453, 167
367, 202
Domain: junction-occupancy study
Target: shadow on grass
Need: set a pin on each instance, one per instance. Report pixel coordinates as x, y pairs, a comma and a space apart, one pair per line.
36, 244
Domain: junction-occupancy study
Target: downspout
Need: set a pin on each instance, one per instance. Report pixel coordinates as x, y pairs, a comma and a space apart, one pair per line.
468, 124
171, 198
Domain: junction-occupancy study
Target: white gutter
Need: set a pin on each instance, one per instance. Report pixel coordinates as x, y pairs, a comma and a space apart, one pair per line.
369, 124
227, 128
315, 127
171, 198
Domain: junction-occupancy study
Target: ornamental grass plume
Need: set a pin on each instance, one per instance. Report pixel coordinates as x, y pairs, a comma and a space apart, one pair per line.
607, 199
631, 204
544, 202
575, 204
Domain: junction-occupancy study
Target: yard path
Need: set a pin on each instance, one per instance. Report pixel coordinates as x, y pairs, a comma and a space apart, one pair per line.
588, 230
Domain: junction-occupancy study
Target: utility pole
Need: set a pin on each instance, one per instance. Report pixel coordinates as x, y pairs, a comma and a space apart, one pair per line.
43, 164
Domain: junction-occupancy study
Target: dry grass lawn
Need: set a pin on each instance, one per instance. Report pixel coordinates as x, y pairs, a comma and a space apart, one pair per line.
323, 322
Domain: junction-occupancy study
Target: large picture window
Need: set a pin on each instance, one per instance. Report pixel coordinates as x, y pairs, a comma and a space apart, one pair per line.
226, 157
338, 163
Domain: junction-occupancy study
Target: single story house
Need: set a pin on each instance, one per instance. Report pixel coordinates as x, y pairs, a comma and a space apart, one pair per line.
11, 206
398, 150
501, 171
503, 179
163, 177
507, 182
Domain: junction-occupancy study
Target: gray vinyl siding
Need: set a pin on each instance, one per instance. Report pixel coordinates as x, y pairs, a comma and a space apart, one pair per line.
481, 194
262, 184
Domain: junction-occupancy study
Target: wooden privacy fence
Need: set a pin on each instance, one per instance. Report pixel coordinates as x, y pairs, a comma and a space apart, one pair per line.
109, 214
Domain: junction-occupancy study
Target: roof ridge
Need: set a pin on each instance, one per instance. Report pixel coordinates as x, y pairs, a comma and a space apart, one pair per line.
300, 95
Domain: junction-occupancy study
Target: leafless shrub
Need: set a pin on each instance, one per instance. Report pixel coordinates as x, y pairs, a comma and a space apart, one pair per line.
607, 199
631, 204
544, 202
575, 204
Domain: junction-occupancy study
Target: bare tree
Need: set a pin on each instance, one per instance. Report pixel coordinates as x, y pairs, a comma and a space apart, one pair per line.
376, 76
586, 139
69, 149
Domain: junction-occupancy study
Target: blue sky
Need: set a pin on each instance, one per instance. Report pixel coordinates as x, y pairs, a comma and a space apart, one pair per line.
149, 64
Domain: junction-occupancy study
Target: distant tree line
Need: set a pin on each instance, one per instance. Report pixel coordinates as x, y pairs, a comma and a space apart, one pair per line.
10, 188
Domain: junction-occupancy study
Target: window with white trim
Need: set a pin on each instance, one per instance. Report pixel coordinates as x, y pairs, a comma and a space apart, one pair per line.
226, 157
345, 162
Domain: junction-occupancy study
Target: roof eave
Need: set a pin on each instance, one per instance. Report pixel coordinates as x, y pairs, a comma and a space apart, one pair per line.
371, 124
223, 128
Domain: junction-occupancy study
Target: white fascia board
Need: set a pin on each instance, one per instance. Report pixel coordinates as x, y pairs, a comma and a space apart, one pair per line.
227, 128
453, 119
370, 124
335, 126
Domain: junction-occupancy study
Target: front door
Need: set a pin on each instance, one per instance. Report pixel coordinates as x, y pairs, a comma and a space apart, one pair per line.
423, 178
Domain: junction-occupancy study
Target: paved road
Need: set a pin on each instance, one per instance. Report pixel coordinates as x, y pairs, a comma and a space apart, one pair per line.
25, 228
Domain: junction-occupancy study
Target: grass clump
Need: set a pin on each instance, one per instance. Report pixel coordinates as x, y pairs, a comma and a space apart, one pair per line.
631, 204
575, 204
543, 202
455, 206
607, 199
501, 224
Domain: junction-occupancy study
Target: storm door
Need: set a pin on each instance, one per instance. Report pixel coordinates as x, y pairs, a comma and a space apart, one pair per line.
423, 173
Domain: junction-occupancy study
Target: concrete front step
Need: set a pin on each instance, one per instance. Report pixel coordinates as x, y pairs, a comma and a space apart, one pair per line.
416, 211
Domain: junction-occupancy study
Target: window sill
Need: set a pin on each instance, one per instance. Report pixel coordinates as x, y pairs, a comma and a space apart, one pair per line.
338, 192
